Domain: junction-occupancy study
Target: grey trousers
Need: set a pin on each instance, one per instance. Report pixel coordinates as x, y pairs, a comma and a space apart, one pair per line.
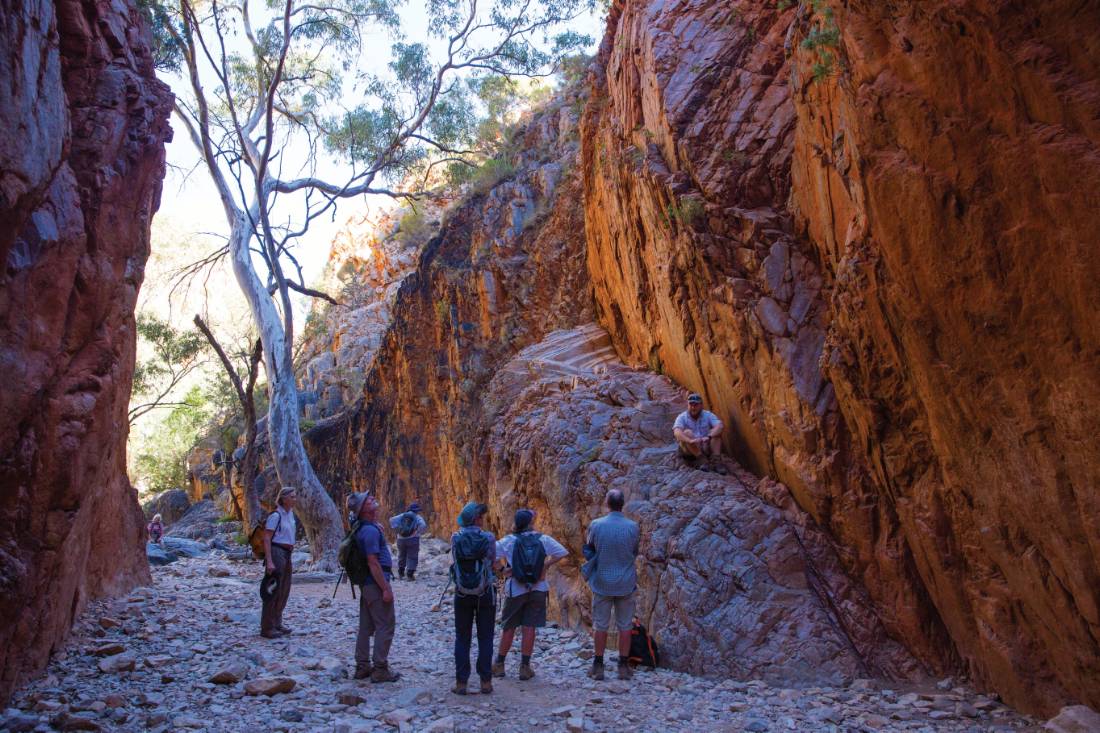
408, 554
376, 619
271, 617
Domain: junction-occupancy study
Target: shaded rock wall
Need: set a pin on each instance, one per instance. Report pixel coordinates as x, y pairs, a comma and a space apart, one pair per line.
880, 277
81, 162
948, 174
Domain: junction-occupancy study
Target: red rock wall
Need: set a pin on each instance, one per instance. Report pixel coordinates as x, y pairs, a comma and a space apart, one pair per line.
81, 162
948, 173
881, 281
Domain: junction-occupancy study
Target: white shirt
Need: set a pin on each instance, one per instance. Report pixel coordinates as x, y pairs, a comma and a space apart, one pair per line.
504, 549
287, 528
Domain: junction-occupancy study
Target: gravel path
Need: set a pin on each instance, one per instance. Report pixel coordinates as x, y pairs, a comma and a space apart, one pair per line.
145, 663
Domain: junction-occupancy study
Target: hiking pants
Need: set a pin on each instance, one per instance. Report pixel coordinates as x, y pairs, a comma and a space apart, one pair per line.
376, 619
408, 554
271, 617
468, 610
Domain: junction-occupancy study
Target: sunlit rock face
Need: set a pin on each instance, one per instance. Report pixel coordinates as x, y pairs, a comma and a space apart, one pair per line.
81, 161
863, 231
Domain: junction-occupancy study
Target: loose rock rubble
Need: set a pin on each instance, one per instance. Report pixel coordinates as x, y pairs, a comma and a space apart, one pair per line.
191, 659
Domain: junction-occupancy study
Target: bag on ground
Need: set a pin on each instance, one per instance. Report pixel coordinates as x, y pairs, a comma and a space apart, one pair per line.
351, 558
406, 525
469, 570
643, 648
528, 558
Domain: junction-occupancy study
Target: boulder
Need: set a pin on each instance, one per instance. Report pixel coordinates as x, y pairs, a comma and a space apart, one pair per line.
124, 662
170, 505
229, 674
1074, 719
184, 547
159, 554
199, 522
269, 686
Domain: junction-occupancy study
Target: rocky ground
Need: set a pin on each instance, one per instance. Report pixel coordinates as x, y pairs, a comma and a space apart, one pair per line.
185, 654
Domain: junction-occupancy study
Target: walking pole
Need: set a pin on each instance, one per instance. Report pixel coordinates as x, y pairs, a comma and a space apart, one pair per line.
338, 582
439, 603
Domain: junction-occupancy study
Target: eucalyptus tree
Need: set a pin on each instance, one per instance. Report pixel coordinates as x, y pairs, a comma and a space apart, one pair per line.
288, 117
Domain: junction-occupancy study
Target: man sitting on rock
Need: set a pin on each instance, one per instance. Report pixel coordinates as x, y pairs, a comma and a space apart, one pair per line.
409, 525
528, 554
279, 532
613, 580
698, 431
377, 616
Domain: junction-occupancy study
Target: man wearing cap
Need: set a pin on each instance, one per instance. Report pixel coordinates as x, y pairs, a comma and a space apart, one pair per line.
698, 431
524, 605
377, 618
279, 532
408, 545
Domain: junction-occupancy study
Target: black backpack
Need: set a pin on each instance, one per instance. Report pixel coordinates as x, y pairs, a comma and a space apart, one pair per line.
406, 525
351, 558
643, 649
528, 558
469, 571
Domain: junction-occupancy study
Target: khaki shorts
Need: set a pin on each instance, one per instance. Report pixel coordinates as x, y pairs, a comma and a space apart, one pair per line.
528, 609
602, 606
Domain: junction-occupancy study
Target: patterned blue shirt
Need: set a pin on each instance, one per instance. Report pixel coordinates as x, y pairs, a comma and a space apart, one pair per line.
616, 541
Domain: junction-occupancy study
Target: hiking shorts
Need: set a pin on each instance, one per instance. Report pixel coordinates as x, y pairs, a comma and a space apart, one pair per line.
528, 609
602, 607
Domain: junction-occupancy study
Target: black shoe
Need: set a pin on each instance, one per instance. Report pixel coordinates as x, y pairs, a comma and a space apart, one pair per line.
412, 577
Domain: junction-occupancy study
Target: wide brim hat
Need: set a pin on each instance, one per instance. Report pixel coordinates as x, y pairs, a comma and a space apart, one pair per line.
268, 586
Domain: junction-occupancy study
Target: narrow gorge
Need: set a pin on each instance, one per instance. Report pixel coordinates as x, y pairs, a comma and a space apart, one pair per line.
863, 231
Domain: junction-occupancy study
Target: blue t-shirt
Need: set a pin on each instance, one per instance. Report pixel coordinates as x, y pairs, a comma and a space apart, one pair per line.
373, 542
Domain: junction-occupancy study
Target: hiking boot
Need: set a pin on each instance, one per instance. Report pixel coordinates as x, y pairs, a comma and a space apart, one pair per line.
283, 629
526, 672
362, 672
412, 576
459, 688
401, 574
486, 687
270, 634
383, 673
625, 672
596, 672
498, 670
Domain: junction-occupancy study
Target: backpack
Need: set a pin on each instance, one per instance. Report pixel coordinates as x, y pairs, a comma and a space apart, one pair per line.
528, 558
469, 571
256, 539
351, 558
643, 649
406, 525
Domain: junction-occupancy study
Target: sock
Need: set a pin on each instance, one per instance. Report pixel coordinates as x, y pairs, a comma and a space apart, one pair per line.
599, 658
526, 659
500, 659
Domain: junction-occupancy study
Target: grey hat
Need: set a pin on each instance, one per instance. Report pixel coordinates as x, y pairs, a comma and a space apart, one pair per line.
693, 397
355, 502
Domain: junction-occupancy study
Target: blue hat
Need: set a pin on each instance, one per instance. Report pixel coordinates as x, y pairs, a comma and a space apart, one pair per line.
470, 512
414, 507
523, 519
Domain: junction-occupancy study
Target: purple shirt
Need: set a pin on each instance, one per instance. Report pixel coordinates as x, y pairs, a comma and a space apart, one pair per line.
372, 542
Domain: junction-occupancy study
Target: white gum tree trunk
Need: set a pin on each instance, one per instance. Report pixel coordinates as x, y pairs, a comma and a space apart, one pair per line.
316, 509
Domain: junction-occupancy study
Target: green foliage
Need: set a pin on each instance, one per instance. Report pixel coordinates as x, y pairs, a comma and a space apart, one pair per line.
687, 212
490, 173
170, 350
160, 461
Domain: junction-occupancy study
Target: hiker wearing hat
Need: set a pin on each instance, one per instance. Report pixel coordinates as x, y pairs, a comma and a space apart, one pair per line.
279, 532
473, 552
698, 431
409, 525
613, 579
527, 554
377, 617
